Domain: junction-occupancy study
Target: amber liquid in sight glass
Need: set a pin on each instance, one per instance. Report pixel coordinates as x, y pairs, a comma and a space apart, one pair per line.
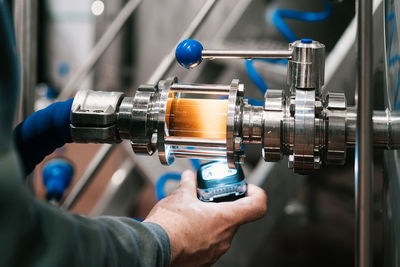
202, 118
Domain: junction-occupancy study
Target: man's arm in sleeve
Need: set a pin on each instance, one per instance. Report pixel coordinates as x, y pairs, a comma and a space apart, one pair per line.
37, 234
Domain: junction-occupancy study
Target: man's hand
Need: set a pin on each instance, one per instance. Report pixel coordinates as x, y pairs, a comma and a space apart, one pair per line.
201, 232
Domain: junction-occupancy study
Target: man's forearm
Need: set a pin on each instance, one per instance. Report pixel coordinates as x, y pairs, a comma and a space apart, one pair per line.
34, 233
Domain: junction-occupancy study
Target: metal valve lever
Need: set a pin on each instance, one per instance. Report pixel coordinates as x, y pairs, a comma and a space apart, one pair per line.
190, 53
306, 60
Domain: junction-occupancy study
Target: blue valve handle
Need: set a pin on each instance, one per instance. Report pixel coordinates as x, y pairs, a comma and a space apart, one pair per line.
188, 53
57, 176
306, 41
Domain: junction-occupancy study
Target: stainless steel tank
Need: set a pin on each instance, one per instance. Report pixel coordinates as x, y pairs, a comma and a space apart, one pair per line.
392, 158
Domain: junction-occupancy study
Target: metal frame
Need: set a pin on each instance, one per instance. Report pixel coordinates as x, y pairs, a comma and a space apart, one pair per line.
25, 21
98, 50
87, 177
364, 149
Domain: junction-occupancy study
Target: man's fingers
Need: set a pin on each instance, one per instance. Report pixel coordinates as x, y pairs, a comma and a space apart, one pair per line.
188, 182
254, 205
250, 208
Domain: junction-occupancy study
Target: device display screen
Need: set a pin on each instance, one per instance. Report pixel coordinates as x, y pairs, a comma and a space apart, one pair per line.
217, 171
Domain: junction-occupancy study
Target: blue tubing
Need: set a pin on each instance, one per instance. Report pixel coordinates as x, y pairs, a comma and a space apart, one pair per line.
175, 176
255, 76
281, 14
394, 59
257, 79
255, 102
195, 163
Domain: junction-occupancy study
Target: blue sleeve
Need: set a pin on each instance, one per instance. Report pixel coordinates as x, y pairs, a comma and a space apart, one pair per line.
43, 132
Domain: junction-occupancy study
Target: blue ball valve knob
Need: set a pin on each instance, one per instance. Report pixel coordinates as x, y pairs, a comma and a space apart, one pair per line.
188, 53
57, 175
306, 41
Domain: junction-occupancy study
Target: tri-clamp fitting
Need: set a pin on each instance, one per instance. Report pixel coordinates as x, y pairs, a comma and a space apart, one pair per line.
211, 121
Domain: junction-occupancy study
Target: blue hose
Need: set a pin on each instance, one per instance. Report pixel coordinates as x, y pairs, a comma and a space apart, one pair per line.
162, 180
396, 94
281, 14
390, 17
255, 102
255, 76
195, 163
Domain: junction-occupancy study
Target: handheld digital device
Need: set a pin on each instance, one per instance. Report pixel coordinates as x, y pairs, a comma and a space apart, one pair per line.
216, 182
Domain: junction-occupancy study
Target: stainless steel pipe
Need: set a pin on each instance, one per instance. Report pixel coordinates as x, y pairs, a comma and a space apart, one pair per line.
386, 129
201, 88
364, 150
25, 21
194, 142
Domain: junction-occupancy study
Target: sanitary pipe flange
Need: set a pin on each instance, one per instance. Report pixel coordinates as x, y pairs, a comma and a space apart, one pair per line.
336, 128
94, 116
304, 133
252, 124
234, 148
165, 152
273, 116
134, 119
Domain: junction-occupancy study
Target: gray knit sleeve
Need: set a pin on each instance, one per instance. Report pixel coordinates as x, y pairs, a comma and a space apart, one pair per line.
33, 233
